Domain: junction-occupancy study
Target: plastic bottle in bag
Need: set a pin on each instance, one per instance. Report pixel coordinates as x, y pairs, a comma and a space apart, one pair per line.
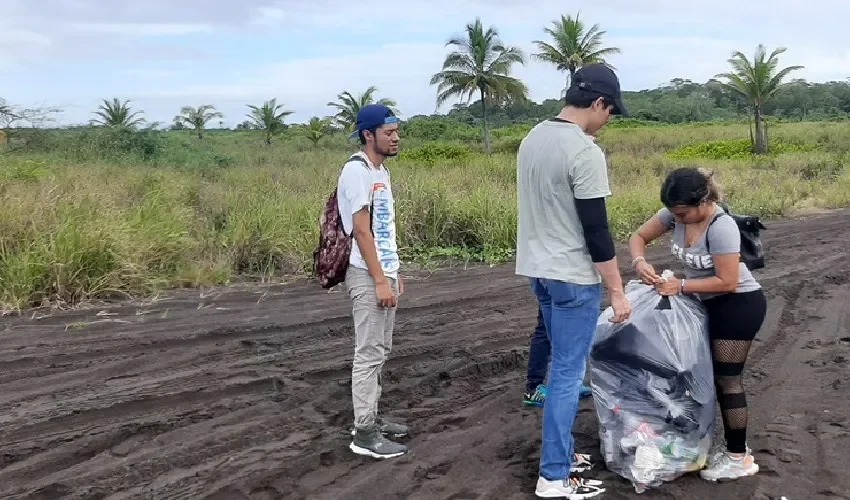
653, 387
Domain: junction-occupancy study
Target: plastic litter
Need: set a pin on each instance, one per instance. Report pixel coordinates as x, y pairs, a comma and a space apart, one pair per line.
653, 387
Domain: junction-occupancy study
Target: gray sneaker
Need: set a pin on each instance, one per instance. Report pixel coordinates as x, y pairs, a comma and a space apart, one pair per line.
390, 429
372, 443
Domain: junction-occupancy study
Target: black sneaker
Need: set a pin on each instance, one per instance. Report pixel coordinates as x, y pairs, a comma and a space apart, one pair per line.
372, 443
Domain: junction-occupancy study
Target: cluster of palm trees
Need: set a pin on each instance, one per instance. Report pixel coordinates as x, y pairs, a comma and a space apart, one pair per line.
269, 117
479, 66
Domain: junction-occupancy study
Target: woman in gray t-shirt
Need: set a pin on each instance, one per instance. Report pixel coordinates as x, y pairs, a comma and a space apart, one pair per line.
707, 242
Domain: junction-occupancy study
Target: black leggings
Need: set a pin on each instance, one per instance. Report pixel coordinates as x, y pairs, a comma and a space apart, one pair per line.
734, 319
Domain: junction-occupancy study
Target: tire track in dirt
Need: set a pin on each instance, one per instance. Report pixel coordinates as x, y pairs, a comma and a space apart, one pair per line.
245, 394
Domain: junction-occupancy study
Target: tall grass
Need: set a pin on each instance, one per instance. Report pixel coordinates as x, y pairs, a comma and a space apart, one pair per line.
97, 216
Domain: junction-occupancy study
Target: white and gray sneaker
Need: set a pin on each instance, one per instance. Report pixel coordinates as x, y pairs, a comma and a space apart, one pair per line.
390, 429
723, 466
371, 442
574, 488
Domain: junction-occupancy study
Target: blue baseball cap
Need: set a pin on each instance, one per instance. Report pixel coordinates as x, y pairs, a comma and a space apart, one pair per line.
601, 80
371, 116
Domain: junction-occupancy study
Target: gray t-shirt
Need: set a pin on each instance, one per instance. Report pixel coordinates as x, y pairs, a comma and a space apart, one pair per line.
723, 238
557, 163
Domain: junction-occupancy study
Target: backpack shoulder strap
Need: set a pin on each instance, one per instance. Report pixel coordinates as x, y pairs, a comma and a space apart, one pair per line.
356, 157
713, 220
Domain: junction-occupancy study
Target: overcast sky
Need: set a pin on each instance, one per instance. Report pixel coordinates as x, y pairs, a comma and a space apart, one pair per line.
163, 55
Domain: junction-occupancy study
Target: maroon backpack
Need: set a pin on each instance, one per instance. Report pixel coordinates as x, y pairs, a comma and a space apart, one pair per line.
330, 258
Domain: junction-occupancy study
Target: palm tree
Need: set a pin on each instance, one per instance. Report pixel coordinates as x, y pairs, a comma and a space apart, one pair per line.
756, 81
197, 118
116, 114
316, 129
572, 46
482, 64
269, 118
348, 106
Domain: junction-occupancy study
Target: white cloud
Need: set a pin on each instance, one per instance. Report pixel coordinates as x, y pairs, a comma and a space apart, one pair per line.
23, 37
144, 29
150, 73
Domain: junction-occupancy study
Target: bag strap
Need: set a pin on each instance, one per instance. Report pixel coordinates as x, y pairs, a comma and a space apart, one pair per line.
707, 239
356, 157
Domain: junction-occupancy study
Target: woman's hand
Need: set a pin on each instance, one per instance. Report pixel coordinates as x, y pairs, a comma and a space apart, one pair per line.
668, 287
647, 273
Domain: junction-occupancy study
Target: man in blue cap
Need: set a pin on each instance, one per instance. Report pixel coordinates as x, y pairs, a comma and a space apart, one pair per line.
565, 249
367, 209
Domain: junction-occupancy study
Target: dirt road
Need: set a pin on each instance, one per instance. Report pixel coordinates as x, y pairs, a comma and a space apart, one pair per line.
244, 393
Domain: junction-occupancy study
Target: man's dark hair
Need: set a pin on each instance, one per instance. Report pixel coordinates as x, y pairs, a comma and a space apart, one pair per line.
363, 137
583, 99
688, 186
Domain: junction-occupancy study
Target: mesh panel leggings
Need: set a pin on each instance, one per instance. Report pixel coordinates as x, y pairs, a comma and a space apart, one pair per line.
734, 319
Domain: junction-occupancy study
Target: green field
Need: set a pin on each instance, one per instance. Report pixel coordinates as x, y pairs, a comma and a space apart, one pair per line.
101, 213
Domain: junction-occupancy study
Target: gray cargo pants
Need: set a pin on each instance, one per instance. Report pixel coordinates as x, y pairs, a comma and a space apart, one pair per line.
373, 338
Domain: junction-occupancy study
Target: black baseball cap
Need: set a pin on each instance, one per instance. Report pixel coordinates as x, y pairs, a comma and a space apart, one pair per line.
600, 79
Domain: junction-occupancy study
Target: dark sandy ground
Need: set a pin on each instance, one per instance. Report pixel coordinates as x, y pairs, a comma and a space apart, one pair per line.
243, 393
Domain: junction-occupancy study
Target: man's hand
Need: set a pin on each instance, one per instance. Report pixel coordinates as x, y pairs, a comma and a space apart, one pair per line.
622, 307
384, 293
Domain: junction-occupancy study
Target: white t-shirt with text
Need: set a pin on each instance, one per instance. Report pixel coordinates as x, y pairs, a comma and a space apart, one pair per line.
355, 189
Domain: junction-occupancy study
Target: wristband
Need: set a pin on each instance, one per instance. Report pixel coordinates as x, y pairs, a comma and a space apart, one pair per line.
682, 287
638, 259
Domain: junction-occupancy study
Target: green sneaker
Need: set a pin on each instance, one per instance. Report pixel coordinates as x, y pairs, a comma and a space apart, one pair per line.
371, 442
536, 398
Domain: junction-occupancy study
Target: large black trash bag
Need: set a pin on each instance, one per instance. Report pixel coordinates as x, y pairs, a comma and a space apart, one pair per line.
653, 387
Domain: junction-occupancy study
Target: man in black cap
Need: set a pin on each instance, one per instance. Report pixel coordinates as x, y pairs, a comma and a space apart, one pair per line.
565, 249
367, 209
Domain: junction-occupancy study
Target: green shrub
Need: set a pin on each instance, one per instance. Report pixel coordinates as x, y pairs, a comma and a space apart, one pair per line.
508, 146
438, 128
511, 131
733, 149
431, 153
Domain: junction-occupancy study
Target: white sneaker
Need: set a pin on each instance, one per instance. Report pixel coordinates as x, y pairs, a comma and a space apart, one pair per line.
723, 466
574, 488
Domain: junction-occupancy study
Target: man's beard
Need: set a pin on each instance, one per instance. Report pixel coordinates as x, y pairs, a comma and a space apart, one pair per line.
386, 152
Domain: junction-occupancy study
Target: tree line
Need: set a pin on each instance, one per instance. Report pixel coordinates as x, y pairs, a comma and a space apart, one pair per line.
683, 101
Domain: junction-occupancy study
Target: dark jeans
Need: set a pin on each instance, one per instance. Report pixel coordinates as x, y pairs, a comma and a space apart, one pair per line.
539, 353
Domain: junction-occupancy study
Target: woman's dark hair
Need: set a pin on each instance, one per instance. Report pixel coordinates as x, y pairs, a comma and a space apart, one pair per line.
689, 186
